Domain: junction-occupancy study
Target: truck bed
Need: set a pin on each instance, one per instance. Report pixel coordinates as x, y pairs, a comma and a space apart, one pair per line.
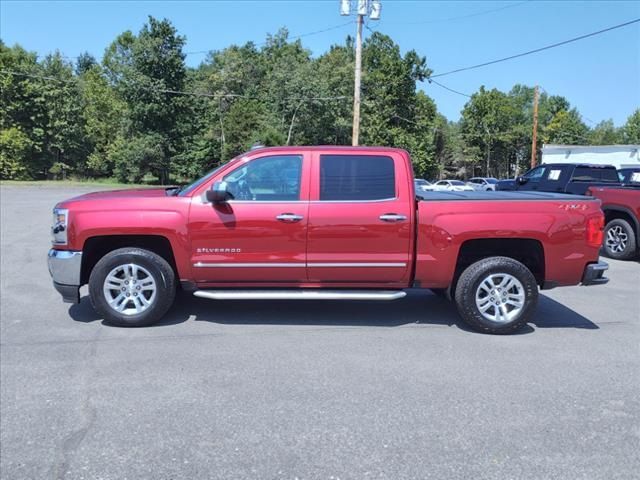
497, 195
451, 224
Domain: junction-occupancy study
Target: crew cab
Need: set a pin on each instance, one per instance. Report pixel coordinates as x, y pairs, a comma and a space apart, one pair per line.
322, 223
621, 207
563, 178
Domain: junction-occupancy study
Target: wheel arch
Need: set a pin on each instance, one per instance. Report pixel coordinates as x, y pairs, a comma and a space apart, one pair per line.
613, 212
528, 251
96, 247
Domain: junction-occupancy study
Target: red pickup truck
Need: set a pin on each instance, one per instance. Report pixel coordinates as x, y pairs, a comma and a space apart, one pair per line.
323, 223
621, 207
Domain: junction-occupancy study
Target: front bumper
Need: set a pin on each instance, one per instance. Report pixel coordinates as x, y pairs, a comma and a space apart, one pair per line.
64, 267
594, 274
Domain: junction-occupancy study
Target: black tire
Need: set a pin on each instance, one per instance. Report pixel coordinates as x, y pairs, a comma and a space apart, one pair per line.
620, 231
155, 265
469, 284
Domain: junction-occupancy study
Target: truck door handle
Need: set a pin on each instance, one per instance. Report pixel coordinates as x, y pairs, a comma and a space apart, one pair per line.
289, 217
392, 217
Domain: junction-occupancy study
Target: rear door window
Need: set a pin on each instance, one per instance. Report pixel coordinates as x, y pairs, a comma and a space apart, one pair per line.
357, 177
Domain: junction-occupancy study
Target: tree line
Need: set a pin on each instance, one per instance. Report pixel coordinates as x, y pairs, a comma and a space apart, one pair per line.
142, 115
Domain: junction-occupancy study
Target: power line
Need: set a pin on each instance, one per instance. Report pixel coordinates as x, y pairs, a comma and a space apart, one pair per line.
461, 17
447, 88
430, 80
296, 37
192, 94
28, 75
511, 57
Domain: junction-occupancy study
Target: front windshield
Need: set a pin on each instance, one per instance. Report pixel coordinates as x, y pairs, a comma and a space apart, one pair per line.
186, 190
491, 180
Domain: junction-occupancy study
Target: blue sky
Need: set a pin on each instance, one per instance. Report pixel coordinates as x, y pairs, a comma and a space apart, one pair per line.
599, 75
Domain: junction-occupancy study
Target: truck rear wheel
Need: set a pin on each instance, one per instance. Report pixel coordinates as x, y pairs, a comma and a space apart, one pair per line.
619, 239
132, 287
496, 295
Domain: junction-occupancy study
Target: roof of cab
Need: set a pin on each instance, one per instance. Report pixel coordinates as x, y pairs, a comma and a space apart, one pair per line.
588, 165
307, 148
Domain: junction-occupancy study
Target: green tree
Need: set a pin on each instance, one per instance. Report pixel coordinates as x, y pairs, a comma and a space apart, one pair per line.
329, 121
566, 128
23, 114
487, 127
133, 157
149, 73
104, 114
605, 133
15, 148
64, 138
84, 63
631, 129
388, 89
142, 114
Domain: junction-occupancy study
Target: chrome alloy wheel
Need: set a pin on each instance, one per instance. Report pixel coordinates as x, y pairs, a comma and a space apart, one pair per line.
616, 239
129, 289
500, 297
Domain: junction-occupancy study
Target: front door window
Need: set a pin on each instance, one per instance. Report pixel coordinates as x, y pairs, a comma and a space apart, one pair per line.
267, 179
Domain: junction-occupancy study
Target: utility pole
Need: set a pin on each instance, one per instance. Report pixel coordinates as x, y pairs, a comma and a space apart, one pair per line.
534, 139
372, 9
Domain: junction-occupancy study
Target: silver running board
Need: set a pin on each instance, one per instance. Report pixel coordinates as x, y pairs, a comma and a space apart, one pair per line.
300, 294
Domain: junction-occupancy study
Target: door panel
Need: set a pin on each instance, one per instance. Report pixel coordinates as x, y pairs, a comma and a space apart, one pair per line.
253, 241
348, 241
555, 179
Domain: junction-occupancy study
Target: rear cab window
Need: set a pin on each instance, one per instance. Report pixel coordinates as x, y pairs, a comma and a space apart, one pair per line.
594, 174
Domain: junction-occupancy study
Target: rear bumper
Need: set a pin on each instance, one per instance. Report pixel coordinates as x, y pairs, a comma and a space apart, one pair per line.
64, 268
594, 274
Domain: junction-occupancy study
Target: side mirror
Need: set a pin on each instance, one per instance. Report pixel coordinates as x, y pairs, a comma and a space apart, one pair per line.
521, 180
219, 193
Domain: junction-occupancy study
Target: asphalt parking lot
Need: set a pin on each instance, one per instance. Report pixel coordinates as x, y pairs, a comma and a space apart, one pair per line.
286, 390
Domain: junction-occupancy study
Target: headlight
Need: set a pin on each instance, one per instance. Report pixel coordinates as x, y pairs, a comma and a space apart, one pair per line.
59, 228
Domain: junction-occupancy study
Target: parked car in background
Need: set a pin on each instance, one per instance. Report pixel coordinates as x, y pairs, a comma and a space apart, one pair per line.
483, 183
421, 184
451, 186
629, 176
563, 178
350, 227
621, 207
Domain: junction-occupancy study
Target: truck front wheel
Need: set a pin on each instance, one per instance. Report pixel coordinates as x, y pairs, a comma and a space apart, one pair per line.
132, 287
496, 295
